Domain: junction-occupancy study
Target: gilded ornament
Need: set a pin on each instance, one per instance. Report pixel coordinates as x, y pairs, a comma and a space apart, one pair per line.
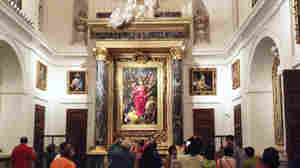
140, 58
177, 53
101, 54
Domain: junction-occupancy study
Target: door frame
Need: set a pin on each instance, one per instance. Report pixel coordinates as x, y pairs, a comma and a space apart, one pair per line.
212, 110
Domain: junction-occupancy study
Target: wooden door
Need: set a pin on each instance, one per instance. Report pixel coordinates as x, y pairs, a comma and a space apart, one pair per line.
204, 124
39, 128
39, 131
77, 132
238, 125
291, 82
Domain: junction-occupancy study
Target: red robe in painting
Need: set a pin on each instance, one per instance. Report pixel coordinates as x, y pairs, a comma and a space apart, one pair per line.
140, 96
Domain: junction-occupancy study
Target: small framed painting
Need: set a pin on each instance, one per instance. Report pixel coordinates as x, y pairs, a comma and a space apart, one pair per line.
77, 82
41, 77
203, 81
236, 74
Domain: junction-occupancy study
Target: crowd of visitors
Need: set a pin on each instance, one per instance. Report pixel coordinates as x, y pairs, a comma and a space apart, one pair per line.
144, 154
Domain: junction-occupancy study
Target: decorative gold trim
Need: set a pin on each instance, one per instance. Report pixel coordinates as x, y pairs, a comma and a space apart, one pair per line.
68, 83
213, 92
148, 21
176, 53
277, 103
38, 77
160, 89
296, 12
101, 54
140, 58
140, 44
236, 70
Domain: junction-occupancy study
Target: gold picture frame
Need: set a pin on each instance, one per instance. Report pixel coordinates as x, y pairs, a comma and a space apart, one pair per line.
122, 67
296, 12
77, 82
203, 81
41, 76
236, 74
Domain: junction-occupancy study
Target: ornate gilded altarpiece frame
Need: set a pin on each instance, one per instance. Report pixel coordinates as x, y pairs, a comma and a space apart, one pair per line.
151, 54
296, 12
146, 42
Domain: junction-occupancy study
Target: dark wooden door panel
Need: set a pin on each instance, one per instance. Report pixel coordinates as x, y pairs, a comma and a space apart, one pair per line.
204, 123
76, 131
39, 128
292, 112
238, 125
39, 131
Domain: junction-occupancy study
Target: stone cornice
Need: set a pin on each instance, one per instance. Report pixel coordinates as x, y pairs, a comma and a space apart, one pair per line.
245, 33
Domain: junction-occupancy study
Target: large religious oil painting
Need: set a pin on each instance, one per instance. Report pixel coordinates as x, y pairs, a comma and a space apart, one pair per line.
203, 81
140, 100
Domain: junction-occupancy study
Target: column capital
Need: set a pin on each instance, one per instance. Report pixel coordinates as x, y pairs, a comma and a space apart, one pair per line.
176, 53
101, 54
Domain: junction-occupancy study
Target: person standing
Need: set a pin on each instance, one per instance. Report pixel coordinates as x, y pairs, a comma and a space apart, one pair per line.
65, 160
227, 161
251, 161
270, 159
238, 153
23, 155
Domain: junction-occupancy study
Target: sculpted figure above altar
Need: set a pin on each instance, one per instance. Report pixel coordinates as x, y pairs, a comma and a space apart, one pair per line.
133, 9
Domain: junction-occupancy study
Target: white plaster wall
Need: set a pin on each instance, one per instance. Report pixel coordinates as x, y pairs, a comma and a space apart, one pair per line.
59, 24
14, 114
31, 9
59, 20
245, 8
221, 24
223, 114
261, 118
255, 96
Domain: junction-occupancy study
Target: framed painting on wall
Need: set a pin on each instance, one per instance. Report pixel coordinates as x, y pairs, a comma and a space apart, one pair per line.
42, 74
236, 74
77, 82
140, 96
203, 81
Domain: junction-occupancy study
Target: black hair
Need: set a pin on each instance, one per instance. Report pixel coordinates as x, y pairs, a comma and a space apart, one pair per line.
195, 147
62, 146
51, 148
210, 152
228, 151
250, 152
63, 151
171, 148
24, 140
229, 138
271, 158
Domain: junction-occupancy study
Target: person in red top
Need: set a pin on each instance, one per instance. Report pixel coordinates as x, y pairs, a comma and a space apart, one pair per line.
23, 155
